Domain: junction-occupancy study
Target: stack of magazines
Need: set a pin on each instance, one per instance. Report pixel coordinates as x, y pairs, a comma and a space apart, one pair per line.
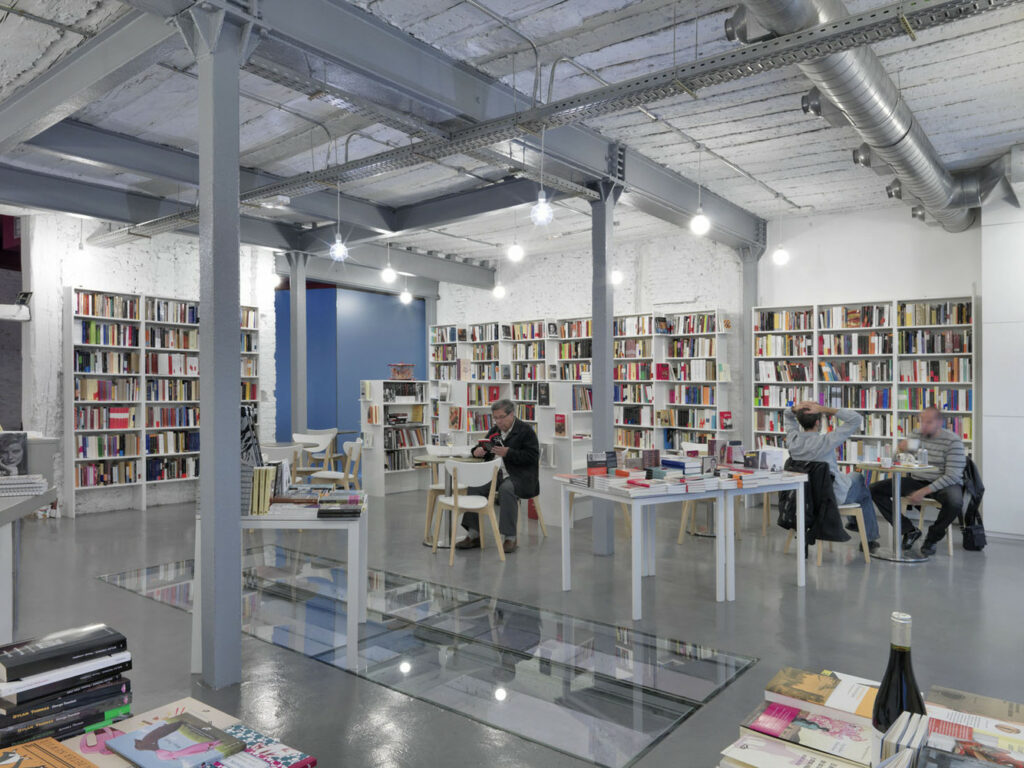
22, 485
342, 504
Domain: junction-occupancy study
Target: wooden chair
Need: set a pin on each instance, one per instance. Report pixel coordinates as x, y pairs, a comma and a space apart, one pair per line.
348, 476
484, 473
844, 509
540, 514
315, 458
933, 504
331, 455
289, 454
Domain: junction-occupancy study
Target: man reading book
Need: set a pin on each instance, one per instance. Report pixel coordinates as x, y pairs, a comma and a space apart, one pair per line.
806, 442
515, 443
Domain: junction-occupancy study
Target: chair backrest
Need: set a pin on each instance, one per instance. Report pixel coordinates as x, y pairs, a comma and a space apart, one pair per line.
353, 450
322, 439
474, 473
333, 431
284, 453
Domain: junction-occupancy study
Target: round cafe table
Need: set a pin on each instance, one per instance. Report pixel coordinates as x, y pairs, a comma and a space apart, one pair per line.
895, 554
444, 538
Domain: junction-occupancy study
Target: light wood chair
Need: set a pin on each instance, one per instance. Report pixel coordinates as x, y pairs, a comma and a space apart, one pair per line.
540, 514
331, 454
348, 476
287, 454
436, 490
933, 504
315, 457
484, 473
844, 509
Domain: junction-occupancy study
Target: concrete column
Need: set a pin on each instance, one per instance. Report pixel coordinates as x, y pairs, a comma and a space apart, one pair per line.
741, 411
602, 314
297, 307
217, 46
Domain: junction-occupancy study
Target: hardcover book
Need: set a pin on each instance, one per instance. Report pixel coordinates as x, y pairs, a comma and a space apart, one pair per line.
560, 425
58, 649
43, 753
49, 683
262, 751
830, 735
936, 758
181, 741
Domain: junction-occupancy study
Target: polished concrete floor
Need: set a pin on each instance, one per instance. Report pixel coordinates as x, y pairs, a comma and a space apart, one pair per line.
968, 627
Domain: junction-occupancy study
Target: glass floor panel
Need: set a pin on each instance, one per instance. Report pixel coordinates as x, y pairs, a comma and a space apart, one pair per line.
602, 693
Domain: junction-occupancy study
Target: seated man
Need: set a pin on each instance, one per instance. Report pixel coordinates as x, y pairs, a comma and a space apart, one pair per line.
806, 442
945, 451
515, 443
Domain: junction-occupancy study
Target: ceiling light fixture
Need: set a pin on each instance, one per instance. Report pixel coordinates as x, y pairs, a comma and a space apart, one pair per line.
541, 214
516, 252
500, 694
700, 224
405, 297
616, 277
780, 255
339, 251
388, 274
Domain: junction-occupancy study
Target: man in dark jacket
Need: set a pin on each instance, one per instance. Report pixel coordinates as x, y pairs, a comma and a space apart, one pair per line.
515, 443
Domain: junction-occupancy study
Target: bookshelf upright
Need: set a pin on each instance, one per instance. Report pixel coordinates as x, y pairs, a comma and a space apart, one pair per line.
393, 421
783, 367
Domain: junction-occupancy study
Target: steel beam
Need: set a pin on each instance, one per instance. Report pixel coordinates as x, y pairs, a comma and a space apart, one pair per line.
107, 149
349, 275
127, 47
56, 193
467, 205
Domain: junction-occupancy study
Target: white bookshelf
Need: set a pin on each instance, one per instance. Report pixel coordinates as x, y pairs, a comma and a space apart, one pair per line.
157, 392
633, 366
528, 354
395, 424
782, 369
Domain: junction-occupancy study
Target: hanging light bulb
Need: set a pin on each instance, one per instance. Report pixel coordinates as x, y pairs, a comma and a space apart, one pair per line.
780, 255
700, 224
405, 297
616, 277
339, 251
516, 252
388, 275
542, 213
499, 291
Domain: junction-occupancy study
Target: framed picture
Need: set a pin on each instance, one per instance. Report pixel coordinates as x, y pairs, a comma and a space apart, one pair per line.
13, 453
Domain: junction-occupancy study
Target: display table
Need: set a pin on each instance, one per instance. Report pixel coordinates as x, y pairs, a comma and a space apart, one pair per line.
895, 554
12, 509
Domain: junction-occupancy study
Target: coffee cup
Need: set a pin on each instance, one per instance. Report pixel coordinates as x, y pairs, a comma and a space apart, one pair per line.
886, 462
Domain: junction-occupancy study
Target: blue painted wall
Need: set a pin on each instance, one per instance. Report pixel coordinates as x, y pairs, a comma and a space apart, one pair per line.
352, 335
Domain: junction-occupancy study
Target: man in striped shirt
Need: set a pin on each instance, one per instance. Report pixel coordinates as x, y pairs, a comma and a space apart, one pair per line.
944, 484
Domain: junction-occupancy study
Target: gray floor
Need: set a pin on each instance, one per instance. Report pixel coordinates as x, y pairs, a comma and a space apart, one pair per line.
968, 627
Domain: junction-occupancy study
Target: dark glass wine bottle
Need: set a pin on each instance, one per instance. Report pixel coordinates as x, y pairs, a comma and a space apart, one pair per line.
898, 692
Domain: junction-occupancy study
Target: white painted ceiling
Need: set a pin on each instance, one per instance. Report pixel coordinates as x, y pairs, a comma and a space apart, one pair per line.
964, 81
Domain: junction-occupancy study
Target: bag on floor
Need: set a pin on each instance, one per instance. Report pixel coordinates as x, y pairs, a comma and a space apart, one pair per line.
974, 532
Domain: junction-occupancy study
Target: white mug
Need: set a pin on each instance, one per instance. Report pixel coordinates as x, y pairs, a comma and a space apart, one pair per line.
886, 462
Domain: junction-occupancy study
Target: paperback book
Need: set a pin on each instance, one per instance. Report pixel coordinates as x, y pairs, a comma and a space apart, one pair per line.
825, 694
43, 753
262, 751
58, 649
972, 703
181, 741
756, 751
829, 735
44, 684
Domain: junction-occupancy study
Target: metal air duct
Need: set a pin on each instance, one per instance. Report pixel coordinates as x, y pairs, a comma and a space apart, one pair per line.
857, 83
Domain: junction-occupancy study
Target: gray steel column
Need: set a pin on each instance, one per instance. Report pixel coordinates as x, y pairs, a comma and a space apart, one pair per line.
297, 307
602, 315
218, 48
749, 259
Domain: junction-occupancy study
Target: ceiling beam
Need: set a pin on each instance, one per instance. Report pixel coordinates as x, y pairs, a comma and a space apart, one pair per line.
459, 206
350, 275
107, 149
90, 71
57, 193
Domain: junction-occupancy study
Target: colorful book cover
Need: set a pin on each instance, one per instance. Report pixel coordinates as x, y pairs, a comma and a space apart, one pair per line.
998, 709
839, 692
833, 736
754, 751
181, 741
262, 751
43, 753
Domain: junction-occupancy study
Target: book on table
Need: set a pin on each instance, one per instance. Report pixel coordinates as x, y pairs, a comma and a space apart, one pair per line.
828, 693
262, 751
754, 750
68, 722
54, 681
180, 741
66, 700
829, 735
972, 703
43, 753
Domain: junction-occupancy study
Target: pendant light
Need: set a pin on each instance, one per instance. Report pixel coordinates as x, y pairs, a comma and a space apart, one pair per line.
542, 213
616, 277
388, 274
339, 251
515, 251
780, 255
700, 224
405, 297
499, 290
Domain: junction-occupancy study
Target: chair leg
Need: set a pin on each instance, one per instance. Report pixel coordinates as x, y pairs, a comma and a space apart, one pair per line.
683, 520
821, 546
540, 517
767, 515
431, 502
437, 529
859, 517
789, 540
451, 541
497, 534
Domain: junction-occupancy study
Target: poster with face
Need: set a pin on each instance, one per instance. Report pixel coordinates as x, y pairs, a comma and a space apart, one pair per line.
13, 453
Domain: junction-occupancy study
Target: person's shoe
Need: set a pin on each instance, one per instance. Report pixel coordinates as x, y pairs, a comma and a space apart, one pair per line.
509, 546
873, 546
469, 542
927, 549
852, 525
909, 538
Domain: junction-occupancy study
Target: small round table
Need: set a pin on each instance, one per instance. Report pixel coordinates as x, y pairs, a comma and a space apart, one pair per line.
896, 553
443, 541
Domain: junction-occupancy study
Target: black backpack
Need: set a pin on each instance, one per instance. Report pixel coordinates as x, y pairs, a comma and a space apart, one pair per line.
974, 490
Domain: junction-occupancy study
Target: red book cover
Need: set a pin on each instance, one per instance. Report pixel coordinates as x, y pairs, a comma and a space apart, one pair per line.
560, 424
661, 372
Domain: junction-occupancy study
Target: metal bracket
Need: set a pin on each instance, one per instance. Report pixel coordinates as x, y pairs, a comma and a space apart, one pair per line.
202, 26
740, 27
617, 161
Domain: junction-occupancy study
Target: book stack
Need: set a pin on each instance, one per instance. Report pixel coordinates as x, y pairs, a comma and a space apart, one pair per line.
342, 504
22, 485
63, 684
965, 729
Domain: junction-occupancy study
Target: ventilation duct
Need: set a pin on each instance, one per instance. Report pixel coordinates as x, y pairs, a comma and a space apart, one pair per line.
856, 82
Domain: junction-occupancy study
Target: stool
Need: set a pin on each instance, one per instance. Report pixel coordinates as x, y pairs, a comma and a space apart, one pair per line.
920, 520
540, 515
844, 509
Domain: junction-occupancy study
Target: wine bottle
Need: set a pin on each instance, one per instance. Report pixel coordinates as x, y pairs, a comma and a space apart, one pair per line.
898, 691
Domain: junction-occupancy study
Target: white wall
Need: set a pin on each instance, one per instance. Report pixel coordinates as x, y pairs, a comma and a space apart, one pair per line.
868, 256
55, 257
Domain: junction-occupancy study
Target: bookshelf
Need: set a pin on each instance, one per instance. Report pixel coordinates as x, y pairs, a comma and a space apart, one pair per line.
132, 419
395, 427
690, 399
444, 352
633, 398
529, 366
885, 359
575, 349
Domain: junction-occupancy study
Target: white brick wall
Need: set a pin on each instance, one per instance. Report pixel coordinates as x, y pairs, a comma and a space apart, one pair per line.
54, 257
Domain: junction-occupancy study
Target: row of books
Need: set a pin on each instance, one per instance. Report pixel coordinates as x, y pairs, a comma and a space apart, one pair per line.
173, 441
781, 397
444, 335
582, 399
574, 371
104, 417
249, 343
769, 421
690, 370
526, 411
181, 416
575, 350
484, 332
94, 361
782, 372
843, 344
406, 437
633, 325
634, 438
395, 461
633, 371
528, 371
631, 348
486, 352
633, 393
856, 397
172, 468
106, 446
62, 685
106, 473
524, 391
856, 370
443, 353
402, 392
680, 441
698, 346
866, 316
172, 338
479, 421
108, 334
248, 318
692, 394
171, 311
106, 305
701, 322
633, 415
172, 364
784, 320
779, 345
534, 330
529, 350
480, 394
250, 366
691, 418
91, 390
959, 425
172, 390
486, 372
250, 390
943, 398
575, 329
935, 342
864, 450
956, 370
935, 313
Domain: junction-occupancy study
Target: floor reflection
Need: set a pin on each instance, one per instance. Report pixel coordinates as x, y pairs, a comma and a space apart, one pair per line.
599, 692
